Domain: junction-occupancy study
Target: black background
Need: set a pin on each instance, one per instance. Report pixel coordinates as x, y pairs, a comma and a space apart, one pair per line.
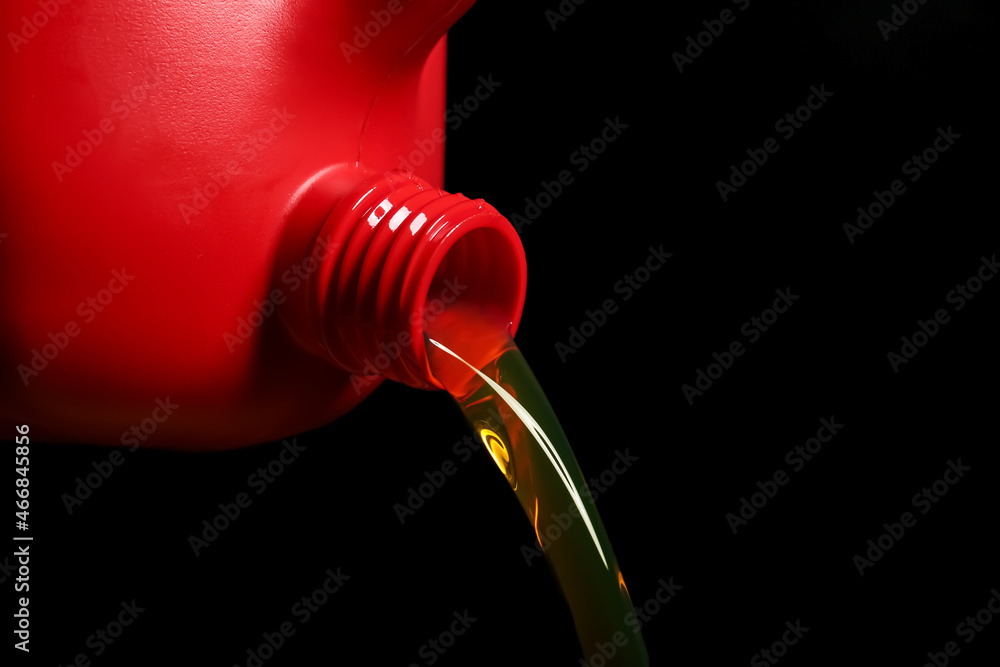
655, 185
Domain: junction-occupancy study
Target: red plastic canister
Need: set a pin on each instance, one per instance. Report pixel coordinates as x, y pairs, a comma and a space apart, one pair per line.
210, 229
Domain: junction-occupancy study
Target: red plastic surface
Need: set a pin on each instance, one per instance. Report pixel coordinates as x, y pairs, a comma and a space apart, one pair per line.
198, 249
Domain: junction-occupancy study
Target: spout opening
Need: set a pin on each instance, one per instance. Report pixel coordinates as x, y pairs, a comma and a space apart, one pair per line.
474, 296
409, 259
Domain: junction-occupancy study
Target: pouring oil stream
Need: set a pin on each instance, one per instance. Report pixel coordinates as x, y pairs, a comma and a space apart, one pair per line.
483, 369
